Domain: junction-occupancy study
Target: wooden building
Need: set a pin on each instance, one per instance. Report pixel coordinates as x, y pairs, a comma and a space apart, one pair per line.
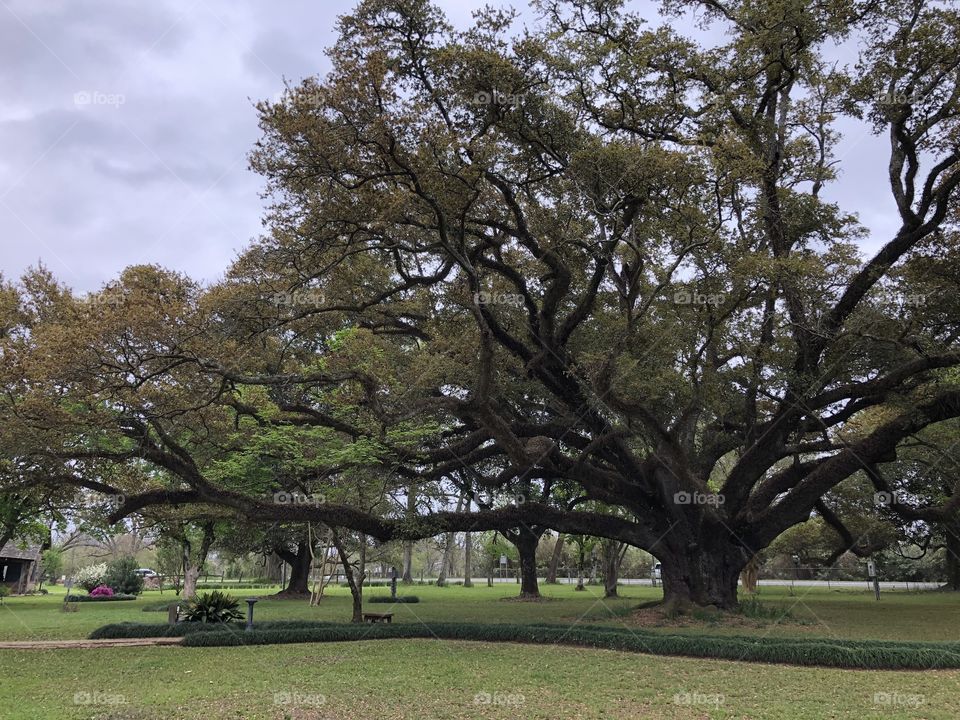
19, 567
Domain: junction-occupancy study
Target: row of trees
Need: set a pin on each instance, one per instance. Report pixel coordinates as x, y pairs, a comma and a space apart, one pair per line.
589, 278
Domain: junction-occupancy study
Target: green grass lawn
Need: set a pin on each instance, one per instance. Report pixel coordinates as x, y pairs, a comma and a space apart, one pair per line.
439, 679
899, 615
447, 679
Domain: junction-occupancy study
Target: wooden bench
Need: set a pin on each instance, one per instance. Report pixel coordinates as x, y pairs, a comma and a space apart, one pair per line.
373, 617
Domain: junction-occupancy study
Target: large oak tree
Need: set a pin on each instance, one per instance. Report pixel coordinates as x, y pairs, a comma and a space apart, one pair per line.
592, 263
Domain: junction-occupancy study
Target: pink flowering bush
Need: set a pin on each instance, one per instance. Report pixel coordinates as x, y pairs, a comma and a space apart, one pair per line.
101, 591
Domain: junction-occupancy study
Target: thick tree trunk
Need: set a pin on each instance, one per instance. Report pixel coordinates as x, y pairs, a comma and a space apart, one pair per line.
299, 562
272, 567
467, 560
611, 567
193, 564
704, 575
526, 541
551, 578
190, 576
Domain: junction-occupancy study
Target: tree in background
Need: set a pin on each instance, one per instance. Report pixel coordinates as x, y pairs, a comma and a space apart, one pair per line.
121, 576
52, 564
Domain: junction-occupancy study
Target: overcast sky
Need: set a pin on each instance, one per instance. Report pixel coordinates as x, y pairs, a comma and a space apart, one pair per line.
125, 129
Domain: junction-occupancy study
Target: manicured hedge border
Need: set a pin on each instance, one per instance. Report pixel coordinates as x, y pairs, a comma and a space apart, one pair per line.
864, 654
398, 599
98, 598
182, 629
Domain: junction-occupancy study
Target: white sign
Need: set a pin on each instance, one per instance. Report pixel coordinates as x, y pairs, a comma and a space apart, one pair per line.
503, 559
871, 569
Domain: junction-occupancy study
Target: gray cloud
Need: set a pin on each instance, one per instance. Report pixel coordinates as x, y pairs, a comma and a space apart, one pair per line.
124, 129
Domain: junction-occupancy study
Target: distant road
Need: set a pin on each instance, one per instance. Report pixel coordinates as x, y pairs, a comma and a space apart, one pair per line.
856, 584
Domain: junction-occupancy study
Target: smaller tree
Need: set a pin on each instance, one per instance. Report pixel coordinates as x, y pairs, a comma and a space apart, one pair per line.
122, 577
585, 545
493, 548
52, 565
170, 563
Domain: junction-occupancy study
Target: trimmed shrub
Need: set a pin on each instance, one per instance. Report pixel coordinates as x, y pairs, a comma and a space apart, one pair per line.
121, 575
102, 591
397, 599
865, 654
148, 630
98, 598
213, 607
235, 586
825, 653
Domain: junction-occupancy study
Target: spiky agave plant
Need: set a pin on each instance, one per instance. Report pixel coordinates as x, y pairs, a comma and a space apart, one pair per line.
213, 607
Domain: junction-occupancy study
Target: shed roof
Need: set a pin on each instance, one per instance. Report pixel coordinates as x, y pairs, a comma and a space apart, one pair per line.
12, 551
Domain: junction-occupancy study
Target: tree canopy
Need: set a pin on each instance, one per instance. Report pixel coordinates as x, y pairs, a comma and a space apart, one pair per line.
589, 262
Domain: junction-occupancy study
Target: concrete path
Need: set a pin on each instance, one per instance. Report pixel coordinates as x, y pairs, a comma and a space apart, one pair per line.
64, 644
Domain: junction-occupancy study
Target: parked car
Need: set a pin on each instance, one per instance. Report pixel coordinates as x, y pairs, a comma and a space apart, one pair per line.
146, 573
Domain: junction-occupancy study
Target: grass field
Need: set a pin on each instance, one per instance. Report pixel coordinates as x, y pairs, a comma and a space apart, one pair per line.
447, 679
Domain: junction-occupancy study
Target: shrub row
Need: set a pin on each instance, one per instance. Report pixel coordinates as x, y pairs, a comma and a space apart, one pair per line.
397, 599
865, 654
235, 586
828, 653
98, 598
182, 629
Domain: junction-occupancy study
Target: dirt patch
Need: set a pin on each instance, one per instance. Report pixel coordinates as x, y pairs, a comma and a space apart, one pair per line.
655, 617
65, 644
